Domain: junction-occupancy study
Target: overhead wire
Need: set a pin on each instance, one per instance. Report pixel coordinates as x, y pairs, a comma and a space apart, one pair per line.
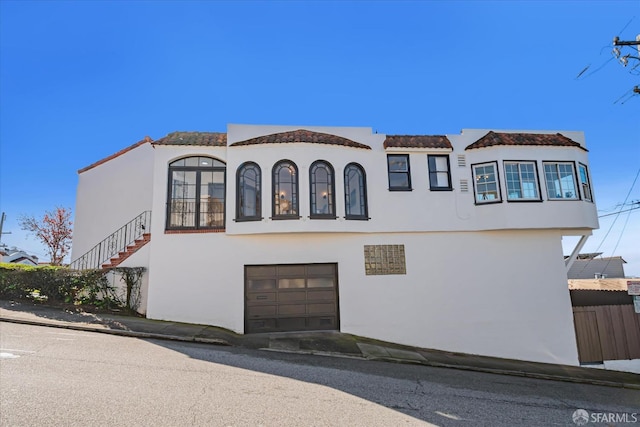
596, 70
617, 215
626, 210
625, 27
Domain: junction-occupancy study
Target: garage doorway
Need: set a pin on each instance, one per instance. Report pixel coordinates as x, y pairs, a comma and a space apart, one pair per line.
291, 297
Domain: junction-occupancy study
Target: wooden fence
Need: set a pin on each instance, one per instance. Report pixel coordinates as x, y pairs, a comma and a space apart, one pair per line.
607, 332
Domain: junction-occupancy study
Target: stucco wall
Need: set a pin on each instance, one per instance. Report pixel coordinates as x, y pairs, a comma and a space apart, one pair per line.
491, 293
110, 195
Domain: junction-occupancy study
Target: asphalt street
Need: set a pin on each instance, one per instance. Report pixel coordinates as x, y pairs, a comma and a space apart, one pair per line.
56, 377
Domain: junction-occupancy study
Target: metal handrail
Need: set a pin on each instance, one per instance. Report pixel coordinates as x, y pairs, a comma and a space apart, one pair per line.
115, 243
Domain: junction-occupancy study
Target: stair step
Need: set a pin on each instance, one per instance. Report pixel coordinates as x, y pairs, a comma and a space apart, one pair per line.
129, 250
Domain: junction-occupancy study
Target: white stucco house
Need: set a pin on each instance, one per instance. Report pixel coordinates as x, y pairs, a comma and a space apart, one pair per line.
449, 242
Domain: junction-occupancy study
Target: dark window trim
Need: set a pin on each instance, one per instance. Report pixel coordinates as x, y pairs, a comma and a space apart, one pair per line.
575, 181
498, 183
586, 169
273, 191
258, 217
332, 189
535, 165
408, 173
196, 169
449, 187
364, 217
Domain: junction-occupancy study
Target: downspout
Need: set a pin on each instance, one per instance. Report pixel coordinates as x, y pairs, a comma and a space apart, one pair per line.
569, 261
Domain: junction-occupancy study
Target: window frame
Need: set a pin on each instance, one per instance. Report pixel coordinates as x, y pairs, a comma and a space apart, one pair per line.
239, 192
536, 175
497, 182
434, 174
296, 191
407, 173
331, 197
171, 168
589, 197
576, 189
363, 189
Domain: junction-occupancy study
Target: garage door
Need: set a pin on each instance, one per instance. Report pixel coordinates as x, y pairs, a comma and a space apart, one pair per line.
293, 297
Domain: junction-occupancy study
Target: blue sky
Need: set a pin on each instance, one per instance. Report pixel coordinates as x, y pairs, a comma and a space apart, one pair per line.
82, 80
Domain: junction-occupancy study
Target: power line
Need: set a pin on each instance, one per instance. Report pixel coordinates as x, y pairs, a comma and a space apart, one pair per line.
625, 27
617, 214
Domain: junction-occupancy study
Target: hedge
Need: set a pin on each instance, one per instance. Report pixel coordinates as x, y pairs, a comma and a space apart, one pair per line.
61, 284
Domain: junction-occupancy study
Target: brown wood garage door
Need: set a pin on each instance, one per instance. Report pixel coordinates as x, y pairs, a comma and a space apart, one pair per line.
292, 297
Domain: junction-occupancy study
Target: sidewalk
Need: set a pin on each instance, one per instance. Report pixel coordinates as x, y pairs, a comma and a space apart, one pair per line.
318, 343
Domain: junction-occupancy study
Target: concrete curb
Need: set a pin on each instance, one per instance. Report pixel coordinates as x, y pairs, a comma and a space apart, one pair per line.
534, 375
315, 353
119, 332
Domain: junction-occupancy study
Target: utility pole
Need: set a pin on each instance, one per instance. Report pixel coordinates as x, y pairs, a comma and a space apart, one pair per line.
624, 60
2, 218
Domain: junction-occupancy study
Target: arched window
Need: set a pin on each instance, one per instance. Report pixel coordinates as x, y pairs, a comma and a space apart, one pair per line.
248, 192
355, 192
285, 190
196, 194
322, 190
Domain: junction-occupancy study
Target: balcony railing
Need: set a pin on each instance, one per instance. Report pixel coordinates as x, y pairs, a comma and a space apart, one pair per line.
114, 244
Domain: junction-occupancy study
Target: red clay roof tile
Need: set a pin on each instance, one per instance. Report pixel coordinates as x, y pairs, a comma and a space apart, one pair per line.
301, 135
524, 139
417, 141
209, 139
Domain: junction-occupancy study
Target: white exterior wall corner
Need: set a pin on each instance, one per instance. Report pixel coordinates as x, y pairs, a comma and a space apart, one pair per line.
110, 195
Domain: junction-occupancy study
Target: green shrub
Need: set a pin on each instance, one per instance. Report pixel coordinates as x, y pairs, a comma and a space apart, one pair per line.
61, 284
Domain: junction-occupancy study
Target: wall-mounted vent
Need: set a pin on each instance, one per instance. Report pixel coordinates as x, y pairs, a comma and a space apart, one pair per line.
462, 161
464, 185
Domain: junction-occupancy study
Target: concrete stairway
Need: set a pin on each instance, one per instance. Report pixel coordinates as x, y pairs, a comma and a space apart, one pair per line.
130, 250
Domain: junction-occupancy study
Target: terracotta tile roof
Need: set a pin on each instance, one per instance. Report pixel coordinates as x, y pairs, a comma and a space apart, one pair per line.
524, 139
598, 285
417, 141
118, 154
209, 139
302, 135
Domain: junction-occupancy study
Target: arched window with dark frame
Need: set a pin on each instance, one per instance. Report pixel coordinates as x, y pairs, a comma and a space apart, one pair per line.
322, 190
248, 192
196, 194
355, 192
285, 190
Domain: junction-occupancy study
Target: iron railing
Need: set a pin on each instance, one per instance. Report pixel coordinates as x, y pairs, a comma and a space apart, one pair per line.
114, 244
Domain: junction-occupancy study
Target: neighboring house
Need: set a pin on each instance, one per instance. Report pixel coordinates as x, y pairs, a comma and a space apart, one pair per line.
449, 242
17, 256
592, 266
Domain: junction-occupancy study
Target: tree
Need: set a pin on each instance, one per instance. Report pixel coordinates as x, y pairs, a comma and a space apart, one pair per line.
53, 230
